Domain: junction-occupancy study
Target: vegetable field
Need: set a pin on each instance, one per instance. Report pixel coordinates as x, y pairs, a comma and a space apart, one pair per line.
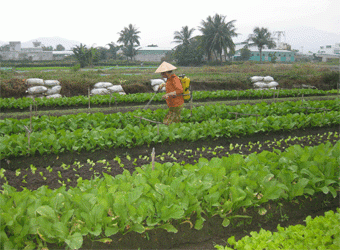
240, 164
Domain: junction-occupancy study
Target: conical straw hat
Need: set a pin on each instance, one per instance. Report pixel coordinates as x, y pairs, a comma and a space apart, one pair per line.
165, 67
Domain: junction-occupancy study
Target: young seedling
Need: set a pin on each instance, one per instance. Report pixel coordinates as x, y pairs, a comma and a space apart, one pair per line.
33, 169
17, 172
2, 172
91, 162
64, 166
42, 175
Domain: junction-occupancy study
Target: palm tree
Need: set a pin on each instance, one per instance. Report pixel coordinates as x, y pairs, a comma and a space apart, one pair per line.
113, 50
183, 36
84, 55
129, 36
261, 37
217, 35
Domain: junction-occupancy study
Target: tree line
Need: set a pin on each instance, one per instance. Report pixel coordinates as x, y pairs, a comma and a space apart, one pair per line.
215, 43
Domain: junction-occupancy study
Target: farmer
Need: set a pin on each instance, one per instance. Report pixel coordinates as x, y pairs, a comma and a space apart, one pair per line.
174, 91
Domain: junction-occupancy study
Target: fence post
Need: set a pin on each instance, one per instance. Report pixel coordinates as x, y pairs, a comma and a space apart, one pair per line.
153, 158
89, 97
30, 116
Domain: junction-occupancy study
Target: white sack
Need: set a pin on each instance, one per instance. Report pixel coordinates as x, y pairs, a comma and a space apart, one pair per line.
53, 96
51, 83
122, 93
272, 84
36, 90
115, 88
156, 82
100, 91
155, 88
268, 79
35, 81
260, 84
100, 85
54, 90
256, 78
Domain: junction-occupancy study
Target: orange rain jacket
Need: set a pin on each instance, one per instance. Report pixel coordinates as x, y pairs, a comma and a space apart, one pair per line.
174, 84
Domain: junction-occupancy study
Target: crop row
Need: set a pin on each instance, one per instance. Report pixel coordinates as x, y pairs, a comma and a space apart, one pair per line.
21, 177
319, 233
153, 198
121, 120
23, 103
49, 141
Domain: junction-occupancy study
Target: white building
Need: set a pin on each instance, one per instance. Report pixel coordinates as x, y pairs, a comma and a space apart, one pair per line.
330, 49
329, 52
13, 51
151, 54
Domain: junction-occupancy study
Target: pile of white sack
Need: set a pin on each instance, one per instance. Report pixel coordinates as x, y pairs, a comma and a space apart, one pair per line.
106, 88
264, 82
155, 84
38, 88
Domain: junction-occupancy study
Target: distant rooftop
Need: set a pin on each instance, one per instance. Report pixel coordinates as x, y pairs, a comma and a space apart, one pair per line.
153, 48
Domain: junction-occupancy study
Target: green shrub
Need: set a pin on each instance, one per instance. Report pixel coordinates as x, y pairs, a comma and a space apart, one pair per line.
331, 79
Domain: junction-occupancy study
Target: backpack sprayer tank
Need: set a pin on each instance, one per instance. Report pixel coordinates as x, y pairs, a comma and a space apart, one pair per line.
186, 86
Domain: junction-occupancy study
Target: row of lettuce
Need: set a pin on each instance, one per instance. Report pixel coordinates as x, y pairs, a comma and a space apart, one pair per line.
149, 199
25, 102
198, 114
319, 233
23, 174
49, 141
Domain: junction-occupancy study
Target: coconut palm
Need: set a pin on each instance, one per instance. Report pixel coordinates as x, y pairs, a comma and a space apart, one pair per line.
183, 36
129, 36
261, 38
217, 35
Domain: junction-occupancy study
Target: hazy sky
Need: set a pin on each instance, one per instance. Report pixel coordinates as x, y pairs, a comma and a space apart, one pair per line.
98, 22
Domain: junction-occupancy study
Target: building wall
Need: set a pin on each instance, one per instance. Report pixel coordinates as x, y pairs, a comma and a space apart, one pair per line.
34, 56
14, 46
330, 49
281, 56
151, 54
149, 57
17, 53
